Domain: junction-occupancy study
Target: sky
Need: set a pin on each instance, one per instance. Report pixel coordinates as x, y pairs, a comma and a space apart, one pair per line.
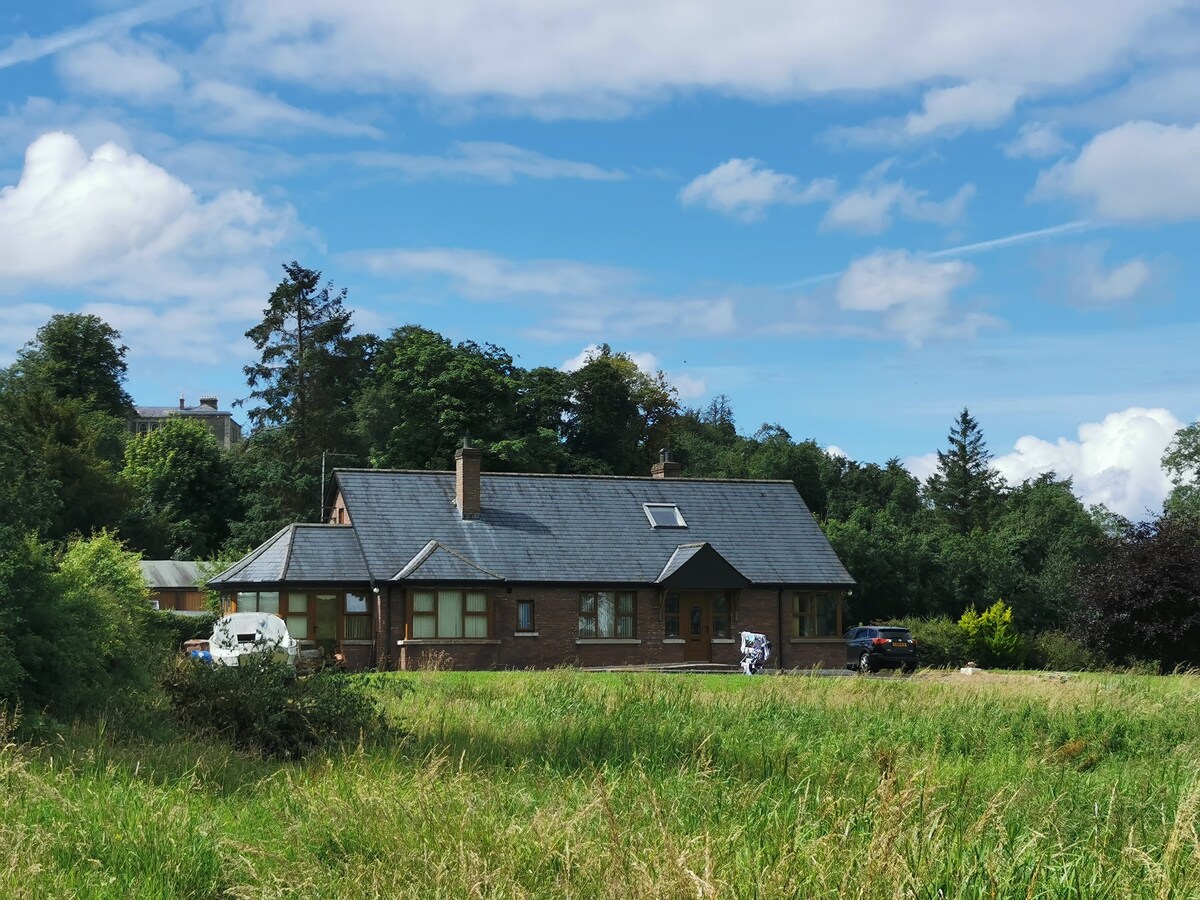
851, 219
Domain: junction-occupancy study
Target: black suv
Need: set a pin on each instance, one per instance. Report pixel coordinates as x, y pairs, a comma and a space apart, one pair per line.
870, 648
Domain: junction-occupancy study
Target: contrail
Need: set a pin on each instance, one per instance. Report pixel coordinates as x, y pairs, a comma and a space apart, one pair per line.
26, 49
1023, 237
966, 249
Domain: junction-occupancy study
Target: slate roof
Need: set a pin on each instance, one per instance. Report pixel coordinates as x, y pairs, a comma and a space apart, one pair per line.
302, 553
547, 528
438, 563
700, 566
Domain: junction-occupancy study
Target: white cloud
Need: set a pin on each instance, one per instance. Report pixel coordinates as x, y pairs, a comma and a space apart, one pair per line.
975, 104
541, 53
1166, 93
231, 108
26, 49
123, 68
1114, 462
1082, 277
744, 188
910, 295
574, 299
114, 224
1037, 140
18, 322
488, 276
688, 387
488, 161
645, 361
1104, 286
870, 208
1137, 172
1119, 283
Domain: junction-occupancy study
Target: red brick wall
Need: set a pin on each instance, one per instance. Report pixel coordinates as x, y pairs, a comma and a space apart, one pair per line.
556, 623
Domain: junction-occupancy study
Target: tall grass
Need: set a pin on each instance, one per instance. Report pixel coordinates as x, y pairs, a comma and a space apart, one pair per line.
565, 784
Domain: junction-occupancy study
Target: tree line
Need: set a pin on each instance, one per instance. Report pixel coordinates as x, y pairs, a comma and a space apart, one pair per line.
321, 395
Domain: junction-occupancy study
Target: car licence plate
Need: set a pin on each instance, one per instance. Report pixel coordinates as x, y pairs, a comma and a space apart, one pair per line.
899, 644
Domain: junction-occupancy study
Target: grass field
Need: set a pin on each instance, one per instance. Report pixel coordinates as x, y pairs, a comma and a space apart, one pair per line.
564, 784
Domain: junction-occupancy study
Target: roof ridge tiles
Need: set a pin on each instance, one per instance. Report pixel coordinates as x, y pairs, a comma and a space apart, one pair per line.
567, 476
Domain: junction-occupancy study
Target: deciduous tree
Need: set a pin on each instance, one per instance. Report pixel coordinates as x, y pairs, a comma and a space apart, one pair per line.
1141, 599
1181, 461
185, 485
79, 357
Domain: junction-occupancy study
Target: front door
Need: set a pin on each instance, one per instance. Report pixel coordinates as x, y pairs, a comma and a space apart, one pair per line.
325, 621
697, 621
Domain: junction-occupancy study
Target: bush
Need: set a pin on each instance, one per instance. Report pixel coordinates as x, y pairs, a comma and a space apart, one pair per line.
261, 705
1059, 651
939, 640
175, 629
990, 637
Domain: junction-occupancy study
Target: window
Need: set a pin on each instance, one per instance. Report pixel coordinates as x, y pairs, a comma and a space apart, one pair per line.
358, 622
664, 515
313, 615
449, 614
720, 616
524, 615
296, 616
671, 616
606, 614
816, 615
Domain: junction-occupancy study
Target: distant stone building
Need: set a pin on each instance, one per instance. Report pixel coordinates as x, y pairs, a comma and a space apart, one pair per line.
219, 422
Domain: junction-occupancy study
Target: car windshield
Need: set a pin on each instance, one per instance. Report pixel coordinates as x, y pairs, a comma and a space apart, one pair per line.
895, 634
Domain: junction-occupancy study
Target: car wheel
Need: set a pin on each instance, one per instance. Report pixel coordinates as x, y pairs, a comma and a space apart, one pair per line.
864, 663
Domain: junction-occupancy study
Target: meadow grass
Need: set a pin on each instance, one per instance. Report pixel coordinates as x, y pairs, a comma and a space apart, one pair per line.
568, 784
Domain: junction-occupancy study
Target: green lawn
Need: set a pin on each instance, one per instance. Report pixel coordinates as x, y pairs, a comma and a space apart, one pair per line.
567, 784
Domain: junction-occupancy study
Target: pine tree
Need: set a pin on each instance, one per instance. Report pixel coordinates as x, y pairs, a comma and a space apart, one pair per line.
965, 488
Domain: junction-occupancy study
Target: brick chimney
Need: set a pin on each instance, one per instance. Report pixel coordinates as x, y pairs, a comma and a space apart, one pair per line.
181, 406
665, 467
210, 402
467, 463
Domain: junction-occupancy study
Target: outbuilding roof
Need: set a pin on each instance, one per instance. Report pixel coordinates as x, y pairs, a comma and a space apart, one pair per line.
170, 574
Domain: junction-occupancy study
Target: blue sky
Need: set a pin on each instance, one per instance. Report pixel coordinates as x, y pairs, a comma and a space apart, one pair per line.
853, 219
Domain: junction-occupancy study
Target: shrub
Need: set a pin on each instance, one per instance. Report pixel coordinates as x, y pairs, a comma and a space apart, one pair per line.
990, 637
261, 705
940, 641
175, 629
1059, 651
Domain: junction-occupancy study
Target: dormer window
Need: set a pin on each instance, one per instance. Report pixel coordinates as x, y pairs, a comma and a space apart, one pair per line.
664, 515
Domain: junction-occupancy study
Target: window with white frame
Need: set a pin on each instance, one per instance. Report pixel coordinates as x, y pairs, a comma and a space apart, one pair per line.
664, 515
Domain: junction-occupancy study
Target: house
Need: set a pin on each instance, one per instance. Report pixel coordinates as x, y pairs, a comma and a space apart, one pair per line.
220, 422
174, 586
487, 570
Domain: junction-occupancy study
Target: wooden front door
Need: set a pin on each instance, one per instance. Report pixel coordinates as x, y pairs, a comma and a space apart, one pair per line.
697, 628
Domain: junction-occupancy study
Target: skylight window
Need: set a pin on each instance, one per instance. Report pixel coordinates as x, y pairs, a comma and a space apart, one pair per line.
664, 515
